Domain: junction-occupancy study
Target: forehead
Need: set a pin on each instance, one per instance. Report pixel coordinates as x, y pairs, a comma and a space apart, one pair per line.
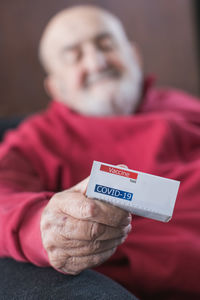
78, 27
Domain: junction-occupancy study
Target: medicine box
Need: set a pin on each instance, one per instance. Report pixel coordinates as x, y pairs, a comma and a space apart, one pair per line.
137, 192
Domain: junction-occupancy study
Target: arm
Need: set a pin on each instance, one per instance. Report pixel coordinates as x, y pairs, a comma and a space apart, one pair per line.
22, 201
77, 232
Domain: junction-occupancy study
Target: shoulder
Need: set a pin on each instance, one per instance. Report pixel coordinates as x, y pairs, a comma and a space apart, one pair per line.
170, 100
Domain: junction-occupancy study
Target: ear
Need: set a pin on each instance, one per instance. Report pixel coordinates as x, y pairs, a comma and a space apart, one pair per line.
52, 88
137, 53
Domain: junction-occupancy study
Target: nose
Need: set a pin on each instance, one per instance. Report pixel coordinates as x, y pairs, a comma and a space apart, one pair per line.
94, 59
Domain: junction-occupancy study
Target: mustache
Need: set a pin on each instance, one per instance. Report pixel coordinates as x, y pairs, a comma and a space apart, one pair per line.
95, 77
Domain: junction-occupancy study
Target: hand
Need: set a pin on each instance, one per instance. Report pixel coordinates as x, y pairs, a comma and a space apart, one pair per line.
79, 232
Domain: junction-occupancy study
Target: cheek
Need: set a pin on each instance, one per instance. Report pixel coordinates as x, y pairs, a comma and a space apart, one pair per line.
75, 78
117, 61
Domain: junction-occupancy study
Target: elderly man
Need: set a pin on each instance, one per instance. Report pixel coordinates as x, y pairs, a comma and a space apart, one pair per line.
103, 109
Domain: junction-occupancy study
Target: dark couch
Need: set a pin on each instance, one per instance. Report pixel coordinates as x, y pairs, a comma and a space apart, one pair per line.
8, 123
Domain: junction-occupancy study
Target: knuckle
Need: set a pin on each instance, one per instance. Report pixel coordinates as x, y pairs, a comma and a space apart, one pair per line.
45, 224
49, 219
50, 248
72, 267
50, 241
96, 230
53, 225
94, 246
88, 209
97, 259
47, 243
56, 259
53, 256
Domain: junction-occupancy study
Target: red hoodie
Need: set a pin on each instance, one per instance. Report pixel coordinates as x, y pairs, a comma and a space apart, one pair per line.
54, 150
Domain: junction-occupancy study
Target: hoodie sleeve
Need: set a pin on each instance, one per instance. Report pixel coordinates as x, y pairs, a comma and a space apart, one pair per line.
22, 200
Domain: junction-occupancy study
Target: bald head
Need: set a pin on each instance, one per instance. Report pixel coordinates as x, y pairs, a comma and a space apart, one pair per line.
91, 65
78, 22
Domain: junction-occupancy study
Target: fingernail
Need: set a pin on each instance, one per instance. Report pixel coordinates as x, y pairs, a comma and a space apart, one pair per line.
127, 229
122, 166
124, 238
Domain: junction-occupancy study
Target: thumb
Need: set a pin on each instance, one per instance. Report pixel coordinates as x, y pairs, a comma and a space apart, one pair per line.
81, 187
123, 166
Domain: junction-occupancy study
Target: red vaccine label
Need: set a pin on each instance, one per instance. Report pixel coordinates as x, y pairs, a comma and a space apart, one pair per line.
119, 172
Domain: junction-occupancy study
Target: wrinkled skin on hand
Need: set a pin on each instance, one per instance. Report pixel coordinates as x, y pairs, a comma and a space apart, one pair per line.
79, 232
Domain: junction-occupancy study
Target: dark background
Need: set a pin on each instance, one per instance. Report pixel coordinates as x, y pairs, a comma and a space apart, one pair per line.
165, 31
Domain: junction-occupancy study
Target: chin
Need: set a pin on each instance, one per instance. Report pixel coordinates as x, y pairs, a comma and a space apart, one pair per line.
116, 97
107, 106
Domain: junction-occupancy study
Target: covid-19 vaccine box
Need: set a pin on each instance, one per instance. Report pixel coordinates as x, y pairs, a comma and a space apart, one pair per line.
137, 192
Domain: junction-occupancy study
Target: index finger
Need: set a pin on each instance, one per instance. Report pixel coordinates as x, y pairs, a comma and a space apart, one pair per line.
79, 206
111, 215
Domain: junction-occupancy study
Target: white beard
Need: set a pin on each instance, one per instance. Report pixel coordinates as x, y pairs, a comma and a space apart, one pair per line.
116, 97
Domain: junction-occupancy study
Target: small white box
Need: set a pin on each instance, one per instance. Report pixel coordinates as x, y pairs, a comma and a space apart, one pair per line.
139, 193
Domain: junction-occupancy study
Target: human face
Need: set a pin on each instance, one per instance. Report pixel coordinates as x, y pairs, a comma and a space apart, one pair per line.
95, 70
